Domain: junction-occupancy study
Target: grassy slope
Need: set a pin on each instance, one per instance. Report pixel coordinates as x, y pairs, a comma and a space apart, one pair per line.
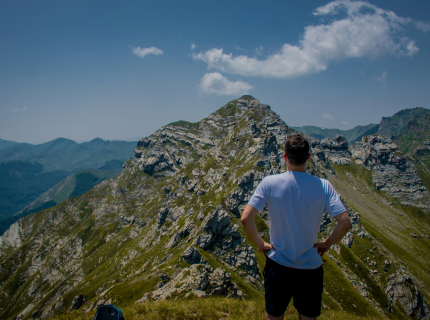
21, 182
389, 222
214, 308
399, 122
418, 131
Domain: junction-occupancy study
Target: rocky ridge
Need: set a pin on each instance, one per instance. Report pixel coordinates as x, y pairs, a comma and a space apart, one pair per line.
391, 171
168, 226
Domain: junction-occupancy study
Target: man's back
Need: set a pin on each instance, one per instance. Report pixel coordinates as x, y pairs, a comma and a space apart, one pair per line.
296, 203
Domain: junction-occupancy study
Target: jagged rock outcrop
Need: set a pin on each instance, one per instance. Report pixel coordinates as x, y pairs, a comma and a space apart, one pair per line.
199, 280
336, 150
424, 150
401, 288
193, 256
391, 171
12, 237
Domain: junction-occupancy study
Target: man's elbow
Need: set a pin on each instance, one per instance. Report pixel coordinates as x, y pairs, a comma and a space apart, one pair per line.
347, 224
244, 220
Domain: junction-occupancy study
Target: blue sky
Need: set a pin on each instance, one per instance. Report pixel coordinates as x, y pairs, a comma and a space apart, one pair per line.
121, 69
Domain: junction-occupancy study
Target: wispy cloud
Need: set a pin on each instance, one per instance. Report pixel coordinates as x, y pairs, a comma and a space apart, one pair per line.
356, 29
383, 78
24, 109
193, 46
344, 122
327, 116
423, 26
259, 50
15, 110
216, 83
142, 52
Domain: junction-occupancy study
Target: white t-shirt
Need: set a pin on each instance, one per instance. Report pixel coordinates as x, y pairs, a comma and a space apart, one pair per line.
296, 202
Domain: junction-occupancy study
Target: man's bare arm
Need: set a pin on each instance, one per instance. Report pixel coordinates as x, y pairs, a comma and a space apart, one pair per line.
248, 224
339, 231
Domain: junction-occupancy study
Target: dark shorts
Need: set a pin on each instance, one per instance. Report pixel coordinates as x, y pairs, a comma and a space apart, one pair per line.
282, 283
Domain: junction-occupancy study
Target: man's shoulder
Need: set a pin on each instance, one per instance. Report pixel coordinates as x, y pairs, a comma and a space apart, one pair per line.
274, 177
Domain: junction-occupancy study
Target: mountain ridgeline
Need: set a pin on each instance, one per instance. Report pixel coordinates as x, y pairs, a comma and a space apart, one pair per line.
68, 155
390, 127
168, 226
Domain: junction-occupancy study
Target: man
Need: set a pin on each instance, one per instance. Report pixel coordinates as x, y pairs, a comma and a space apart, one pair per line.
296, 202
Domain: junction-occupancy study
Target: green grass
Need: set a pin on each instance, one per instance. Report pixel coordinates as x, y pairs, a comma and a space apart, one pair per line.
228, 110
212, 308
186, 124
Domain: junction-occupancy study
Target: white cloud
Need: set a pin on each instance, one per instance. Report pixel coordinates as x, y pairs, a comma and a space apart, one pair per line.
356, 29
327, 116
142, 52
344, 122
259, 50
423, 26
24, 109
193, 46
216, 83
15, 110
383, 78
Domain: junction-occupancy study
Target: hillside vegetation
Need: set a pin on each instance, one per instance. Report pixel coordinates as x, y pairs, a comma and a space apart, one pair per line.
72, 186
214, 308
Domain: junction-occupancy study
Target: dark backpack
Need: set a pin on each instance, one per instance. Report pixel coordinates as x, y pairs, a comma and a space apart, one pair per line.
108, 312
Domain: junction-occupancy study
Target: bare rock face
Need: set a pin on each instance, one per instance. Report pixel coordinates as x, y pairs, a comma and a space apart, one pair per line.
199, 280
224, 239
193, 256
318, 155
423, 150
336, 150
391, 171
12, 237
78, 301
402, 288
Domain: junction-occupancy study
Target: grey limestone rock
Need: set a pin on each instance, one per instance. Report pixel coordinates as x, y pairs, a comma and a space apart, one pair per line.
424, 150
199, 279
12, 237
347, 240
402, 288
391, 171
336, 150
317, 152
181, 234
193, 256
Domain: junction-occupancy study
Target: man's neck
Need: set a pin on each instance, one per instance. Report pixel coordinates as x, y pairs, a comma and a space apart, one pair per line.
296, 168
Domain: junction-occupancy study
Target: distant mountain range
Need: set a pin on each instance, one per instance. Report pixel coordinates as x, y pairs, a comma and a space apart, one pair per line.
320, 133
27, 171
68, 155
6, 144
388, 127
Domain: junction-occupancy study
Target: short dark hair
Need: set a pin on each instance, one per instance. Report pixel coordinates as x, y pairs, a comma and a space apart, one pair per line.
297, 149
